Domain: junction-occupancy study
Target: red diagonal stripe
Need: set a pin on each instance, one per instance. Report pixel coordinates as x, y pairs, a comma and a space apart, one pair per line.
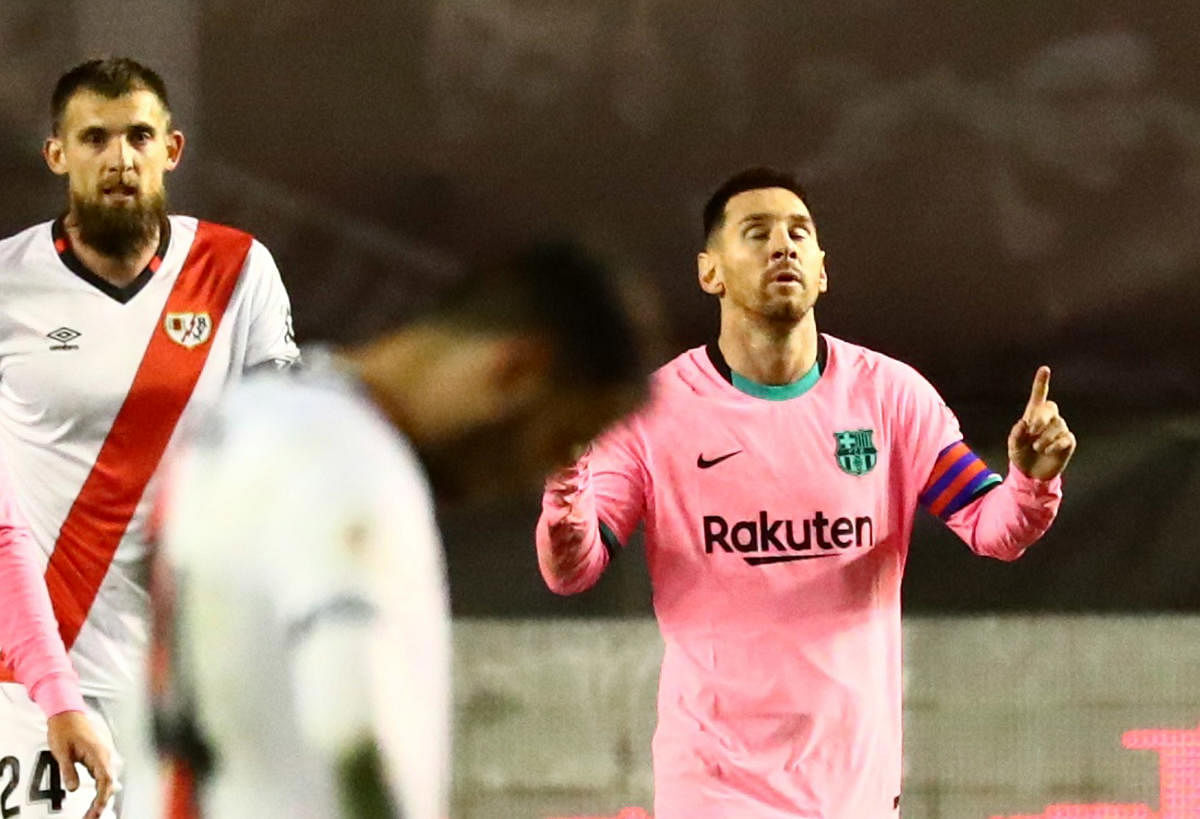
160, 392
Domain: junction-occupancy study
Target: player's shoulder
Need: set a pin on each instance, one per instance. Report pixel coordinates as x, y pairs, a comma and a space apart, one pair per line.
862, 362
29, 234
191, 225
305, 403
284, 461
292, 428
259, 265
864, 371
182, 223
188, 227
678, 380
673, 369
298, 401
690, 372
17, 248
681, 385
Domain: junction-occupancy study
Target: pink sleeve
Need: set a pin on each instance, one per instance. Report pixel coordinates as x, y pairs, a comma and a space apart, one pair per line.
590, 509
28, 630
1008, 519
930, 425
999, 519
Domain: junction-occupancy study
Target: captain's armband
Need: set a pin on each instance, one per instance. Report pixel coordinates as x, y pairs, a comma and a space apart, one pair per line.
959, 476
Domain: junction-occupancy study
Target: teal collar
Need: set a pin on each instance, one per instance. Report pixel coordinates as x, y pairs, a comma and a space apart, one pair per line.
777, 392
771, 392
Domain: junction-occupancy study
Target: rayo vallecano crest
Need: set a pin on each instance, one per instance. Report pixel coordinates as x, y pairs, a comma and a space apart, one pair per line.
856, 453
188, 329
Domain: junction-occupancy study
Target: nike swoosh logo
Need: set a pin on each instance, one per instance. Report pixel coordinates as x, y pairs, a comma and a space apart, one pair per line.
704, 463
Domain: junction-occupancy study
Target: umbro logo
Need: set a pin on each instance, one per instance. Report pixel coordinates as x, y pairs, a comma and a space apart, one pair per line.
64, 336
705, 463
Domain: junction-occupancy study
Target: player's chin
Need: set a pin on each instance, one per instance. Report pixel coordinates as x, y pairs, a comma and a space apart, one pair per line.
786, 310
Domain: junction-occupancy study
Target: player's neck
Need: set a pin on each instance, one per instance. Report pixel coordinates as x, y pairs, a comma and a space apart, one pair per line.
769, 352
117, 271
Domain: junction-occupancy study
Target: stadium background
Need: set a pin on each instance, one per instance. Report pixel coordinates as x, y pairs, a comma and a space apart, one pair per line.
997, 185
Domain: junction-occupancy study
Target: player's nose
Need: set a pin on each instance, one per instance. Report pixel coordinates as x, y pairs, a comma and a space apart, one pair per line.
781, 245
784, 251
120, 155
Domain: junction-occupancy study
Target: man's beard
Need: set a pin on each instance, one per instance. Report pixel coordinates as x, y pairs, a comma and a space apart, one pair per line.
784, 312
119, 232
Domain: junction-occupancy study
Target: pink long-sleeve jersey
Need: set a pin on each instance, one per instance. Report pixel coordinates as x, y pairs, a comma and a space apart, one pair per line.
28, 630
777, 524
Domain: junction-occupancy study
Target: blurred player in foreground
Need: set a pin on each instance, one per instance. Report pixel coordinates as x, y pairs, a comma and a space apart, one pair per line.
305, 619
117, 321
778, 472
35, 654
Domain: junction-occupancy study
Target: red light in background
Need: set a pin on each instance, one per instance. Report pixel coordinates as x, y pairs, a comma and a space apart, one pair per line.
1178, 781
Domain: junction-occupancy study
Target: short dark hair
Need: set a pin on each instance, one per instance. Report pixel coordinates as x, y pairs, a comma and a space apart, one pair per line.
112, 77
751, 179
562, 290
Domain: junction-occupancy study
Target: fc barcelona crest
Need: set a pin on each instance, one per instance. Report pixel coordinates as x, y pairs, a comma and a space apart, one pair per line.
856, 453
188, 329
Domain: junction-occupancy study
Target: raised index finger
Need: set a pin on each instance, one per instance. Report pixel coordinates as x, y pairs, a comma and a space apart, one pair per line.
1041, 389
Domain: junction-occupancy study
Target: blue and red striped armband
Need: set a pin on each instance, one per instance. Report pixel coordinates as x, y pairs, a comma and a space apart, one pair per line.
959, 476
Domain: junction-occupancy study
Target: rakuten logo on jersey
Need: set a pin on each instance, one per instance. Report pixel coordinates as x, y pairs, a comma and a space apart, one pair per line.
803, 539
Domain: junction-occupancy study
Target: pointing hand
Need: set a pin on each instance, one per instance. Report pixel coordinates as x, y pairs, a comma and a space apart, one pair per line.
1040, 444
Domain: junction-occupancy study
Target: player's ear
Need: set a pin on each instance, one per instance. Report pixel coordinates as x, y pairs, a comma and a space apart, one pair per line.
175, 143
55, 155
709, 273
823, 279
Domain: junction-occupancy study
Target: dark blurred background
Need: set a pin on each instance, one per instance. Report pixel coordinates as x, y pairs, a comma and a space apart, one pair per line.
997, 185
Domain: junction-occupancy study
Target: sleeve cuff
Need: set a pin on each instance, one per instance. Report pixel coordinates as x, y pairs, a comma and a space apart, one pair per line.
57, 693
1034, 487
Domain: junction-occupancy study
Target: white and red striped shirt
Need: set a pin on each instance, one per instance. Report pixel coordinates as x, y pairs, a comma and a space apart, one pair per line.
95, 383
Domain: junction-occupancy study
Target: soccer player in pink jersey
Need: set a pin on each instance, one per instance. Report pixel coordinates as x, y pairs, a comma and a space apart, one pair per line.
38, 660
119, 322
777, 472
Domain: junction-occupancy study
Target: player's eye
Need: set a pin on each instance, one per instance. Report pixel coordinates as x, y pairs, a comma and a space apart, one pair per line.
756, 234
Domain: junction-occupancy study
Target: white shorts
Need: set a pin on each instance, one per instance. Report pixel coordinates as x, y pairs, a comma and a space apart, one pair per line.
31, 784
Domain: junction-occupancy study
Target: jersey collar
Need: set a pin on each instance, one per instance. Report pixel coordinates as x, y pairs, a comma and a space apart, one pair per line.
62, 244
770, 392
